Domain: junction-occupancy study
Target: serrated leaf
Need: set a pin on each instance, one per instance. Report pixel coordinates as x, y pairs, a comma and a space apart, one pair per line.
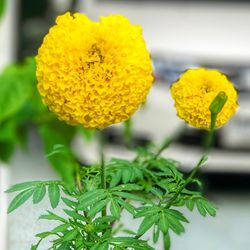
127, 187
147, 223
190, 204
157, 192
176, 214
39, 194
167, 242
209, 207
54, 195
175, 225
146, 211
61, 228
126, 175
20, 199
90, 198
22, 186
131, 209
43, 235
70, 235
200, 208
156, 233
163, 223
52, 216
64, 246
115, 178
75, 215
132, 197
69, 203
115, 208
97, 208
105, 219
104, 246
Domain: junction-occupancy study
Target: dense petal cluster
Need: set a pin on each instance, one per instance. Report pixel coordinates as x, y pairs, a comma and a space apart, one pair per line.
195, 90
93, 73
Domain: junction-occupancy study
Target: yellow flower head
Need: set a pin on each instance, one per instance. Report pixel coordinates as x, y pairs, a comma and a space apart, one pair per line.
93, 73
195, 90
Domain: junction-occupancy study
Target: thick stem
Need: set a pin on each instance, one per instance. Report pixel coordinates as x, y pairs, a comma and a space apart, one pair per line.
73, 6
127, 132
210, 135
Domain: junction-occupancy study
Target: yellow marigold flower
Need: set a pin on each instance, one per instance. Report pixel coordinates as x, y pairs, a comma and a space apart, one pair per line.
195, 90
93, 73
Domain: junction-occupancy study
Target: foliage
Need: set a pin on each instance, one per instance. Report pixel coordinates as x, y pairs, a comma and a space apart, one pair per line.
150, 188
2, 7
21, 108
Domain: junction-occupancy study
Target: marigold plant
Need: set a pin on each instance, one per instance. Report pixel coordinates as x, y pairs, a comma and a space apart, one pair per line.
94, 73
97, 74
193, 93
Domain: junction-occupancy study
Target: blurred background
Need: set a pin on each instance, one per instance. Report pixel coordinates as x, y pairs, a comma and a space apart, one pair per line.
179, 35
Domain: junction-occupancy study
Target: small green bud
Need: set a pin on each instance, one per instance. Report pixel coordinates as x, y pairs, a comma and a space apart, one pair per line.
218, 103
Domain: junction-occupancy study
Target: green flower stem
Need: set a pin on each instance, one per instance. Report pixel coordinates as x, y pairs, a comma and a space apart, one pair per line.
127, 132
188, 180
78, 179
201, 161
102, 165
210, 135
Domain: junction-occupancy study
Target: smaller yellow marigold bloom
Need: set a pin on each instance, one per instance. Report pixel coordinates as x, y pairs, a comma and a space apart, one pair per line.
93, 73
194, 92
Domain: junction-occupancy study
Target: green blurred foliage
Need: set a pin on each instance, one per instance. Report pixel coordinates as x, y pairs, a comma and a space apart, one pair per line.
2, 7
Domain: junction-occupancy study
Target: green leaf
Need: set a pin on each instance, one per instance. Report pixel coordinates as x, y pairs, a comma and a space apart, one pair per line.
115, 178
64, 246
91, 197
132, 197
20, 199
163, 223
69, 203
39, 194
22, 186
61, 228
146, 211
176, 214
54, 195
157, 192
175, 225
115, 209
75, 215
52, 216
15, 89
126, 175
63, 161
127, 187
156, 234
96, 208
43, 235
200, 208
209, 207
190, 204
104, 246
147, 223
131, 209
167, 242
70, 235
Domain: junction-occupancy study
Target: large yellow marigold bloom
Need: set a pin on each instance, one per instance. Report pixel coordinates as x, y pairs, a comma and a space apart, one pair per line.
93, 73
195, 90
